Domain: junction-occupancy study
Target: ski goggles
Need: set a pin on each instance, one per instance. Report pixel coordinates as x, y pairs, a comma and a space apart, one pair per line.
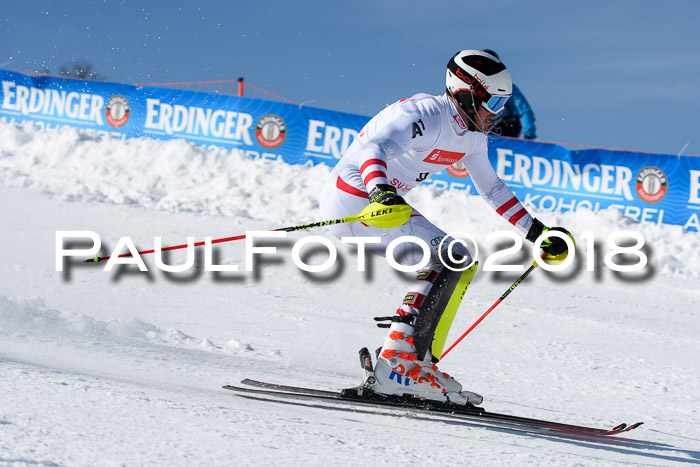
495, 104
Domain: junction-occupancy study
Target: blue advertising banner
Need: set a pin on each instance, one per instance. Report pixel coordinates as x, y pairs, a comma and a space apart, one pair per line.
653, 188
259, 128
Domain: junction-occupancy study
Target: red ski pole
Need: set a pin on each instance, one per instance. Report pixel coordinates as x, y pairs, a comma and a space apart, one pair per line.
375, 215
507, 292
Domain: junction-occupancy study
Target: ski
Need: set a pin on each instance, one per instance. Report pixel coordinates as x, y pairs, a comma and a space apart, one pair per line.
362, 397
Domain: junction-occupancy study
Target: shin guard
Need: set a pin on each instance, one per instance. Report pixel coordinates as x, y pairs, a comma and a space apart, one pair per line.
438, 310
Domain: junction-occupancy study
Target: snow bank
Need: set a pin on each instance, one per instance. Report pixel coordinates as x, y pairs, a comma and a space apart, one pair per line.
24, 317
173, 176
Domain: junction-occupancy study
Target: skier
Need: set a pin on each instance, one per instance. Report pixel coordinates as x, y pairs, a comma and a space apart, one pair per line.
395, 151
517, 115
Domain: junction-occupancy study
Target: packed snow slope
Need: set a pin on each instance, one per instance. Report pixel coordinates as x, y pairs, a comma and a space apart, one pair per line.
126, 367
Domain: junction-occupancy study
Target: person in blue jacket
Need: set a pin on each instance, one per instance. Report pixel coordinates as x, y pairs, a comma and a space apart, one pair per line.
517, 115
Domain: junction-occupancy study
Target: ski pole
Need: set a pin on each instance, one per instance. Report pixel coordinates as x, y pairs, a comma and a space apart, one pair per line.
507, 292
374, 215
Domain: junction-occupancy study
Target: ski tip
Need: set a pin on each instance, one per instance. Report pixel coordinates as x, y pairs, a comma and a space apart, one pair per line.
620, 427
623, 428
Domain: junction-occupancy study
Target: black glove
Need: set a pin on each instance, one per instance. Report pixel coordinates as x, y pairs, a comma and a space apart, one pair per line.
386, 195
553, 246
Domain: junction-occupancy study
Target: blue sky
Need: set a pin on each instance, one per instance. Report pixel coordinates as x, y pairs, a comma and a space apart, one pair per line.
620, 74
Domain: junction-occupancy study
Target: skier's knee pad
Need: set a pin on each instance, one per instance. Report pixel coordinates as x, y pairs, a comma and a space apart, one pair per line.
439, 309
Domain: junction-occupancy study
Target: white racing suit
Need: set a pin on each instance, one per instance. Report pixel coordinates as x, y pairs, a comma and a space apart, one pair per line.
402, 146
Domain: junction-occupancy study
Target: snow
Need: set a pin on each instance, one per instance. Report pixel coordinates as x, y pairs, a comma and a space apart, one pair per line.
126, 367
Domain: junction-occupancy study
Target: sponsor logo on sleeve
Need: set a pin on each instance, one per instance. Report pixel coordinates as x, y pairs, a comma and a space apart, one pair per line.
460, 122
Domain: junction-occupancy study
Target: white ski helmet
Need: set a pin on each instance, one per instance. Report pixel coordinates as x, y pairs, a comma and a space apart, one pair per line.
476, 78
